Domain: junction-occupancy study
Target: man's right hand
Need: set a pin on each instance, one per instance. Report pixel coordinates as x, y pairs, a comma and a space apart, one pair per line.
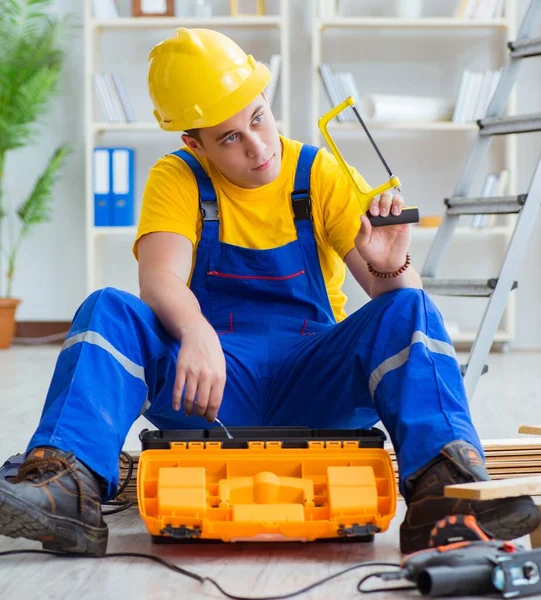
201, 368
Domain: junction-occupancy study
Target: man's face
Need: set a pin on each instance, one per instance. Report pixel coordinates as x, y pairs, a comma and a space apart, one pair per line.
246, 148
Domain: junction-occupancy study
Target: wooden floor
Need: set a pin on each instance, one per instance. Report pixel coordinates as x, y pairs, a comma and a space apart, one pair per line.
507, 398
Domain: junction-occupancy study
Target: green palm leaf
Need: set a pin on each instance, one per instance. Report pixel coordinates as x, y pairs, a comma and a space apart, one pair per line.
37, 208
31, 60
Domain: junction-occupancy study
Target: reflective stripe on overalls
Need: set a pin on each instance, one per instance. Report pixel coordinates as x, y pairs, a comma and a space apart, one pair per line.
288, 361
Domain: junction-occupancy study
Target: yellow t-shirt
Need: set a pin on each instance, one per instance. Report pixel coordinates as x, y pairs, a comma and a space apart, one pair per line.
260, 218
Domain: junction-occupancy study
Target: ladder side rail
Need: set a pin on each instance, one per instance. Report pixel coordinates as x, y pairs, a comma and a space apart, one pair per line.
496, 305
495, 108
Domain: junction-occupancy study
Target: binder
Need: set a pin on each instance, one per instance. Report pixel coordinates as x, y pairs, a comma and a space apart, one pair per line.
102, 187
114, 187
123, 186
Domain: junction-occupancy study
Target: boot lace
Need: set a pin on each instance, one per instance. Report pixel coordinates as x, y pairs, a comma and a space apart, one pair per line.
34, 468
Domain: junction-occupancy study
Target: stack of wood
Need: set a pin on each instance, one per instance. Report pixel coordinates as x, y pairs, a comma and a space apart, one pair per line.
506, 458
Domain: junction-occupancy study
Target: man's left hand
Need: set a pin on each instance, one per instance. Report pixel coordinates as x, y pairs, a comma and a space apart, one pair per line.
385, 248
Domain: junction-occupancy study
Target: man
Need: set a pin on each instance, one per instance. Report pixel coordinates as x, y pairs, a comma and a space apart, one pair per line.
242, 246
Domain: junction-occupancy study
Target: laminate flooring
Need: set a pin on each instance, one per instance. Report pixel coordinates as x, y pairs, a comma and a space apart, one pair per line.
508, 397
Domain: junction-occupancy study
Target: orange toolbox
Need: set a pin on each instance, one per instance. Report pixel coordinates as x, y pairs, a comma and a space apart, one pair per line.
265, 484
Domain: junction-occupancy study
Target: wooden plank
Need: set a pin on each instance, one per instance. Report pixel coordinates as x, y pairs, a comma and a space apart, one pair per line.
489, 490
530, 429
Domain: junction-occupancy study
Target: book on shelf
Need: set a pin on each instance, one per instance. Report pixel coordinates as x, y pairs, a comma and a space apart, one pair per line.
330, 84
495, 184
105, 9
475, 91
382, 108
480, 9
338, 86
274, 65
328, 9
113, 98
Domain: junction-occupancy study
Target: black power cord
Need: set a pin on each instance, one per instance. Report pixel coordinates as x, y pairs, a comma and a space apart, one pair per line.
201, 579
121, 505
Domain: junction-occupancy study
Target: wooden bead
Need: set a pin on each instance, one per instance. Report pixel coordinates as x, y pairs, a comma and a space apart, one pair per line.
396, 273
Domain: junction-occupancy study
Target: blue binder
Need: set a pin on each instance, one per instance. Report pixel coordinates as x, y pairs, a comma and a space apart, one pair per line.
123, 186
102, 187
114, 186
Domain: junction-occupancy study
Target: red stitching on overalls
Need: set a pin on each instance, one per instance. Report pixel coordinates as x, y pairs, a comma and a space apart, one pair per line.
303, 330
270, 278
230, 326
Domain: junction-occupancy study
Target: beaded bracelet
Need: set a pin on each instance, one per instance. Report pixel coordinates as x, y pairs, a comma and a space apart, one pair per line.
394, 274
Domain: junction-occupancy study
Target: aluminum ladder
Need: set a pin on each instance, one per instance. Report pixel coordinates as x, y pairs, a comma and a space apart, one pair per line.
525, 205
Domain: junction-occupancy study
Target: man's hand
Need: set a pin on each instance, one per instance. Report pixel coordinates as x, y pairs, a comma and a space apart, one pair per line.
385, 248
201, 368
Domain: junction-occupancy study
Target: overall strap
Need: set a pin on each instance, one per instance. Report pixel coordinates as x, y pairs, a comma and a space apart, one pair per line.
207, 196
300, 197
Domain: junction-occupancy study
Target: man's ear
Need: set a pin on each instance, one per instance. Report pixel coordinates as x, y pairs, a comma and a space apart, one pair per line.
193, 144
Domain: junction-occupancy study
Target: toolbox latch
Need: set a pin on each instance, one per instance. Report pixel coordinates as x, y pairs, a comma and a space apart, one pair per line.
181, 532
357, 530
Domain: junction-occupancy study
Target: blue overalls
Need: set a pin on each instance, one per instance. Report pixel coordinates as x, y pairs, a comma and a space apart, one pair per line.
288, 361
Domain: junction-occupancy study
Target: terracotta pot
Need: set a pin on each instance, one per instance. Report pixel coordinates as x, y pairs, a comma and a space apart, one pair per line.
8, 306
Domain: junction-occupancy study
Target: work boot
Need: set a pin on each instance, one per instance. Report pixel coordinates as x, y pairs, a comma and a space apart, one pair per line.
56, 500
460, 462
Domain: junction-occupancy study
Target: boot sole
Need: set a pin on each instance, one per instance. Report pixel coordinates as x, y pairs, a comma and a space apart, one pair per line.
505, 522
21, 519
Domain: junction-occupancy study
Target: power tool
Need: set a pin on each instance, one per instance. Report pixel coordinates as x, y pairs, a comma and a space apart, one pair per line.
464, 559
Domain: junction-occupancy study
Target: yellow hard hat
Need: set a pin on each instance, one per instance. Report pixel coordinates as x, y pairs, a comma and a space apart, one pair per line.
199, 78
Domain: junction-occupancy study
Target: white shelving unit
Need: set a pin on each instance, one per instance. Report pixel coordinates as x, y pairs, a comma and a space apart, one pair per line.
445, 26
102, 127
95, 131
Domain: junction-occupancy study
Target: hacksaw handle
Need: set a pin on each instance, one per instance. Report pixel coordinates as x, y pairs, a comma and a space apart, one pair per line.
409, 215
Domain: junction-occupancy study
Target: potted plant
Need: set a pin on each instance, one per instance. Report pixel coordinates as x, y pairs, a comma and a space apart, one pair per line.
31, 60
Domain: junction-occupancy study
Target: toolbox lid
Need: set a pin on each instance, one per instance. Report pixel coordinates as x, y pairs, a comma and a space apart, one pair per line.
327, 486
291, 437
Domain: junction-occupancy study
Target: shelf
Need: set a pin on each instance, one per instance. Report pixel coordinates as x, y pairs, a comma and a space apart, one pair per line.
141, 126
425, 23
403, 126
417, 231
469, 336
173, 22
101, 127
98, 232
424, 232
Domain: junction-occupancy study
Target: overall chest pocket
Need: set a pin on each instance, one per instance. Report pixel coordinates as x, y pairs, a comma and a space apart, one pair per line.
271, 276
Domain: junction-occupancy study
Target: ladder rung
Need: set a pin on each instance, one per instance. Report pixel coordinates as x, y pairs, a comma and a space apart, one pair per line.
489, 205
525, 48
461, 287
508, 125
464, 367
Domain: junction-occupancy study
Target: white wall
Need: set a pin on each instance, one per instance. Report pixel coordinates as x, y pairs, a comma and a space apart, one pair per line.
50, 276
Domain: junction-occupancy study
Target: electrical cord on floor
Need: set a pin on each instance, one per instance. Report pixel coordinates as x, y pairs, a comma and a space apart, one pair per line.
121, 505
202, 579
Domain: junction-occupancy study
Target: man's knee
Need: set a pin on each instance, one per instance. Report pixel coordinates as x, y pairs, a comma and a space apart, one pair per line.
413, 296
110, 296
106, 300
